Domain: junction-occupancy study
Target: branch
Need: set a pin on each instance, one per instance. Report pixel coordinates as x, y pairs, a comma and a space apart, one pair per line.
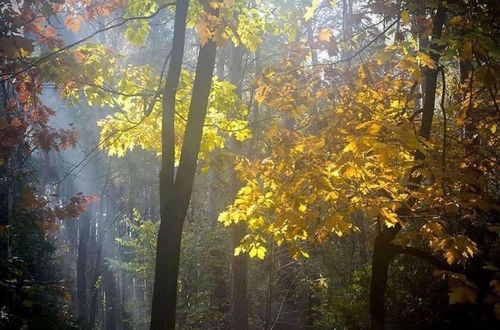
445, 119
412, 251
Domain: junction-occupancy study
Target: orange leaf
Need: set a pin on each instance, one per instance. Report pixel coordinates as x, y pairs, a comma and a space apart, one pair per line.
73, 23
325, 35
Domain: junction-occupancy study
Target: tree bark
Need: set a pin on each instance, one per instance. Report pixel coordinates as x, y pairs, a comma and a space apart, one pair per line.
175, 192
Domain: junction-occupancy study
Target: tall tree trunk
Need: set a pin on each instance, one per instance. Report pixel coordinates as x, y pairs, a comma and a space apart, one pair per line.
219, 297
168, 244
81, 269
381, 259
175, 191
240, 262
382, 254
110, 299
94, 297
100, 235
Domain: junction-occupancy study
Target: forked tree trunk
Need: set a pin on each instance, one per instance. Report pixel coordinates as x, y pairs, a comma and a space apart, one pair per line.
175, 190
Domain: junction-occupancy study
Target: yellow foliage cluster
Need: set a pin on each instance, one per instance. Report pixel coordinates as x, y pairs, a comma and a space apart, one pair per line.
354, 151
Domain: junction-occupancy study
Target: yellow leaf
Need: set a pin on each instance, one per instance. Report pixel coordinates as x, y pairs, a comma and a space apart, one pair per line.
351, 146
332, 195
257, 251
405, 17
373, 129
350, 172
310, 10
391, 217
426, 60
225, 218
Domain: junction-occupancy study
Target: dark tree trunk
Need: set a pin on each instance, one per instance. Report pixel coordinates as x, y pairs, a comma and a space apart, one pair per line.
175, 192
219, 297
81, 269
94, 298
382, 254
240, 262
110, 296
360, 222
381, 259
239, 279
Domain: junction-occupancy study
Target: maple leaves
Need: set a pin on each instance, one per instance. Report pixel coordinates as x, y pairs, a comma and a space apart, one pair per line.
50, 210
358, 161
129, 128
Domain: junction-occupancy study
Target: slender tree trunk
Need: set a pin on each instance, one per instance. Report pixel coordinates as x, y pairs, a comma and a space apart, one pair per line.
175, 192
240, 283
360, 221
94, 299
100, 236
169, 235
382, 254
219, 297
81, 269
110, 297
240, 262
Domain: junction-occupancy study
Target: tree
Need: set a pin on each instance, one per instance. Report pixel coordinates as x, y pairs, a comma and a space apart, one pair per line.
370, 157
175, 189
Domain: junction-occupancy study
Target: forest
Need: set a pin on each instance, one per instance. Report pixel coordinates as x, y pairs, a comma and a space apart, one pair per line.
249, 164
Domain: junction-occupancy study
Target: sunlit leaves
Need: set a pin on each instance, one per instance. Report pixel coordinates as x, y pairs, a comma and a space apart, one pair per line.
390, 216
129, 128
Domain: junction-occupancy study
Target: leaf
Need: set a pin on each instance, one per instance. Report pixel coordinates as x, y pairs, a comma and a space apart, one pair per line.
310, 10
391, 217
462, 294
257, 251
324, 35
405, 17
351, 146
426, 60
350, 172
204, 32
73, 23
16, 122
